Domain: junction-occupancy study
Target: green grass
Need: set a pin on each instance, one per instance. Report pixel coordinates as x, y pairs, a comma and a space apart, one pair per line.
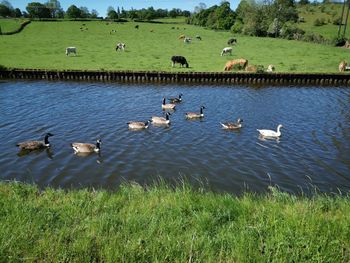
9, 25
160, 224
42, 45
329, 12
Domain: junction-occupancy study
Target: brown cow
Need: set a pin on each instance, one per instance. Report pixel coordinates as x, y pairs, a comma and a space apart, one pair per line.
242, 62
342, 66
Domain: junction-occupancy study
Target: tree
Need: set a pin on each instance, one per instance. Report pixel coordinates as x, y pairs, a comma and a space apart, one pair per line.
200, 7
84, 12
38, 10
17, 12
7, 3
55, 8
173, 13
94, 13
73, 12
5, 11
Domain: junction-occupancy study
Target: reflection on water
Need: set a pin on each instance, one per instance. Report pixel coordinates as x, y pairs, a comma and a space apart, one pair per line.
314, 151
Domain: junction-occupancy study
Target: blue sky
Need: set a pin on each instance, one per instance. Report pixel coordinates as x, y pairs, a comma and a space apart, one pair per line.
102, 5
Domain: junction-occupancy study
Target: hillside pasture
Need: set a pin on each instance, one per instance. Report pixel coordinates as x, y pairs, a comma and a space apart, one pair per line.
326, 11
42, 45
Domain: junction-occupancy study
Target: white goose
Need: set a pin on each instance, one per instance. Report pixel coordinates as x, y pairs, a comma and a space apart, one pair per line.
271, 133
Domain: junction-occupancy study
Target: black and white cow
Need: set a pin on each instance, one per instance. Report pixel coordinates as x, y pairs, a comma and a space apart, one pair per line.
120, 46
232, 41
71, 50
179, 59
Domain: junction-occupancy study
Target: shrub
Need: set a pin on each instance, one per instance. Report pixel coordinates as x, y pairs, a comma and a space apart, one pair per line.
339, 41
237, 27
291, 31
319, 22
315, 38
337, 21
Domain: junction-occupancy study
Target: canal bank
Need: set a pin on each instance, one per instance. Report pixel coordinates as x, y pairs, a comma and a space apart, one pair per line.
174, 77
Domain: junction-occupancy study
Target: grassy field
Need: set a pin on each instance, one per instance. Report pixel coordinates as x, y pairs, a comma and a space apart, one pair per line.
42, 45
8, 25
329, 12
160, 224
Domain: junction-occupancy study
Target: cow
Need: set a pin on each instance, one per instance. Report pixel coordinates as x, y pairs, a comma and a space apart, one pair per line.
71, 50
226, 50
187, 40
232, 41
242, 63
120, 46
179, 59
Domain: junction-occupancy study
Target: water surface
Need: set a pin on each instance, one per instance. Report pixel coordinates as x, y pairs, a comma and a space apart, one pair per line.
314, 150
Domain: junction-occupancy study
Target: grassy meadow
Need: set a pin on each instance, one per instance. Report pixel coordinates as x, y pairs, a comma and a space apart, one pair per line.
9, 25
42, 45
327, 11
161, 224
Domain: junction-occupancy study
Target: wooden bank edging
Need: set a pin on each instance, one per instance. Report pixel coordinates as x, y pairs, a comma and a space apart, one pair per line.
195, 77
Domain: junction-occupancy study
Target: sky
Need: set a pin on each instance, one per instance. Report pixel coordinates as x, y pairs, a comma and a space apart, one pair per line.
102, 5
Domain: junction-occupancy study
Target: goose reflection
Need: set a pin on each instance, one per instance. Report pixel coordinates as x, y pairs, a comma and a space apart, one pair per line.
25, 152
99, 159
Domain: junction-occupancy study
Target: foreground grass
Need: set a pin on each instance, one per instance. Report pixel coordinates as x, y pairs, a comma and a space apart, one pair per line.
42, 45
164, 225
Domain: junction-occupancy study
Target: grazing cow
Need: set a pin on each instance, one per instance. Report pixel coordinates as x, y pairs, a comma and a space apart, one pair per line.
137, 26
179, 59
198, 37
120, 46
226, 50
232, 41
187, 40
242, 63
182, 36
71, 50
270, 68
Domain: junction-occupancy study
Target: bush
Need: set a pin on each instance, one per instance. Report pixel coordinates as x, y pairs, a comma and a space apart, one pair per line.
237, 27
337, 21
339, 41
291, 31
315, 38
319, 22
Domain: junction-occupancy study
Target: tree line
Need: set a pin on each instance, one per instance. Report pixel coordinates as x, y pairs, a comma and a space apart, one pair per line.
53, 9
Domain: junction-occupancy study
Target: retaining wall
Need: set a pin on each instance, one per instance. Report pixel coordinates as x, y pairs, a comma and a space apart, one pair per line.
195, 77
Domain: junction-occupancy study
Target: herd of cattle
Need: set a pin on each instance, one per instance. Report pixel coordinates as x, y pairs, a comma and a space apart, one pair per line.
238, 64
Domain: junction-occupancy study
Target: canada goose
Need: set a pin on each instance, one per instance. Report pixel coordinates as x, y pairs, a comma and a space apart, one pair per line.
137, 125
232, 125
170, 106
35, 145
79, 147
161, 120
193, 115
270, 133
176, 100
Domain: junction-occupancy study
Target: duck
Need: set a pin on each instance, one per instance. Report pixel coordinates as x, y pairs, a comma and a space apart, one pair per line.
194, 115
138, 125
176, 100
35, 145
79, 147
169, 106
271, 133
232, 125
161, 120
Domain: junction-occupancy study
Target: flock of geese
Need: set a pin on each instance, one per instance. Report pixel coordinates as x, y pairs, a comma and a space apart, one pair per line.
79, 147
